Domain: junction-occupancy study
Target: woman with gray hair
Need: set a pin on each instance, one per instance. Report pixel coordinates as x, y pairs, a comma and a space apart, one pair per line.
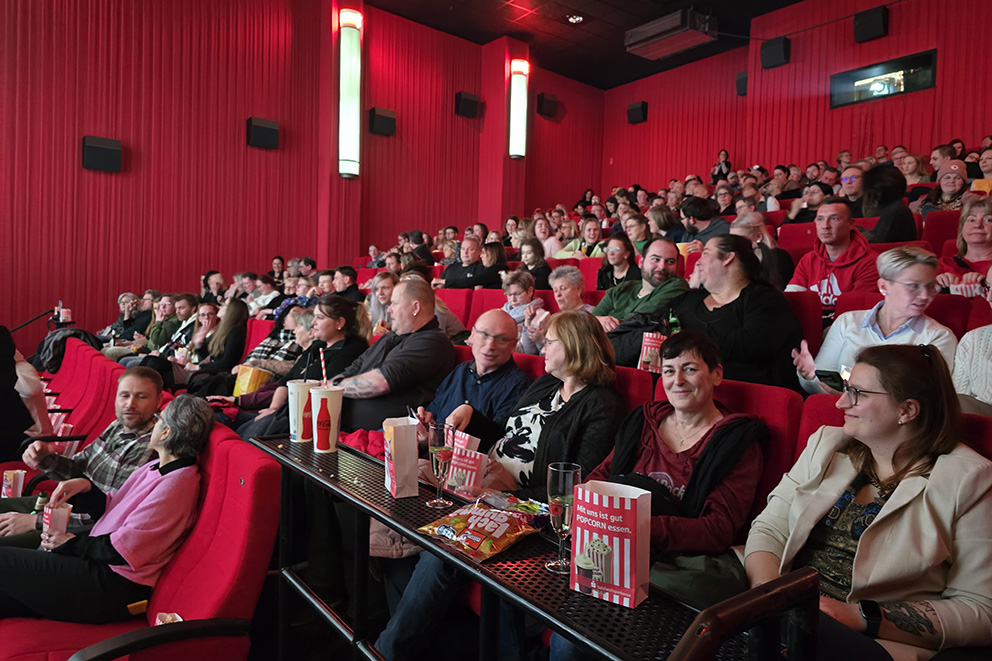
567, 284
93, 578
908, 282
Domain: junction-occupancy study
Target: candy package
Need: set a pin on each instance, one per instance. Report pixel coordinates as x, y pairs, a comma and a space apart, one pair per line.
480, 530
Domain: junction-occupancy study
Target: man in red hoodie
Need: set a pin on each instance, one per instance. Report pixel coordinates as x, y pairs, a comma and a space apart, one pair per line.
841, 260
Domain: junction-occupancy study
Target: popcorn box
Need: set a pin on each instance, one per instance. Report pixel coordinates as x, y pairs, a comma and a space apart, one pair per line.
467, 468
611, 542
650, 360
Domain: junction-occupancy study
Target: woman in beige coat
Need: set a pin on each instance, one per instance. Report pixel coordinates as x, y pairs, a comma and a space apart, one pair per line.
893, 512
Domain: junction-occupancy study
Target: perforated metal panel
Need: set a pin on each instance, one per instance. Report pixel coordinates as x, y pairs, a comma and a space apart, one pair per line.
650, 631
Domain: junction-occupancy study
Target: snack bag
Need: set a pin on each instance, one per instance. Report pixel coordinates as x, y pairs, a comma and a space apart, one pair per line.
480, 531
401, 456
650, 359
250, 379
467, 467
611, 542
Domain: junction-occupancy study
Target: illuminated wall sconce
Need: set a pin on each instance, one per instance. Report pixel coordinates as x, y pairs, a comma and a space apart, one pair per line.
519, 73
350, 93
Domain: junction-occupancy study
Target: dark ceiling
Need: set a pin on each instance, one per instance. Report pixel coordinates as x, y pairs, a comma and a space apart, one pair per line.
591, 52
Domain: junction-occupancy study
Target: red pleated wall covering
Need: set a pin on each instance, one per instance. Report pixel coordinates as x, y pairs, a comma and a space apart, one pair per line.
425, 176
175, 80
788, 108
565, 152
693, 113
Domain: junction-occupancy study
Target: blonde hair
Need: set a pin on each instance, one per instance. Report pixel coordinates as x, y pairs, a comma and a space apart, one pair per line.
972, 203
893, 262
588, 352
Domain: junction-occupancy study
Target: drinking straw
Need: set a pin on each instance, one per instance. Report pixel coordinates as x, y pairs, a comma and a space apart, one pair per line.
323, 366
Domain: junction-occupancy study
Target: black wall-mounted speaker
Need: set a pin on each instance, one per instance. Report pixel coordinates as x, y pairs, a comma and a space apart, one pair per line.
871, 24
547, 105
382, 121
637, 112
775, 52
262, 133
101, 154
466, 105
742, 83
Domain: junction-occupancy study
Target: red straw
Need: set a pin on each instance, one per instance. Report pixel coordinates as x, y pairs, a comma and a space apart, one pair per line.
323, 367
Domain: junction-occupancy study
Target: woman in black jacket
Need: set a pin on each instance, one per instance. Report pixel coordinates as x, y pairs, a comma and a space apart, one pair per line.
749, 320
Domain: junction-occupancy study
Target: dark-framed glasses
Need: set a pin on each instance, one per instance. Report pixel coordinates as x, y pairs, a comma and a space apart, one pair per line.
854, 394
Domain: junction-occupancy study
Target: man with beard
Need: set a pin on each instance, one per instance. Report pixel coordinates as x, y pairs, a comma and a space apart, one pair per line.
657, 286
701, 222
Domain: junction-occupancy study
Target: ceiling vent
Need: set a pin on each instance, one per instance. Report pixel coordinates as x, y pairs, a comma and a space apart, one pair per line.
671, 34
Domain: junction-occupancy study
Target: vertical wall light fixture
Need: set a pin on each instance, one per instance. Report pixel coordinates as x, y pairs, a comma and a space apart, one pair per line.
350, 93
519, 73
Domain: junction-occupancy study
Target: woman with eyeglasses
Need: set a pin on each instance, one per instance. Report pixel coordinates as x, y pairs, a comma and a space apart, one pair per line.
908, 282
619, 264
725, 199
892, 511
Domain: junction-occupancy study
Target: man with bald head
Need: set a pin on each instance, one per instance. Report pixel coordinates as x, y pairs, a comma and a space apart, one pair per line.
479, 394
403, 368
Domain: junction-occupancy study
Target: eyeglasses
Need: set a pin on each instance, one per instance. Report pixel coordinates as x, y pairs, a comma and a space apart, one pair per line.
853, 394
917, 287
848, 180
612, 249
499, 339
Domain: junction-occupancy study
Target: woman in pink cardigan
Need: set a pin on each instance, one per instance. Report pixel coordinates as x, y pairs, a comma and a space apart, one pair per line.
94, 578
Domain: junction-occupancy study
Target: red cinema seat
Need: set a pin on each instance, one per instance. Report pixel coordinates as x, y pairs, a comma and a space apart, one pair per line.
918, 219
980, 315
797, 240
513, 265
459, 301
555, 263
940, 226
548, 296
775, 218
258, 330
532, 366
978, 434
879, 248
780, 409
463, 352
360, 262
636, 386
690, 263
808, 309
818, 410
866, 223
212, 582
590, 270
949, 249
483, 300
593, 297
365, 274
948, 309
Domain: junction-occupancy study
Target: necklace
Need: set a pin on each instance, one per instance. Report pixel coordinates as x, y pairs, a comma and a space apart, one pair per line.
683, 440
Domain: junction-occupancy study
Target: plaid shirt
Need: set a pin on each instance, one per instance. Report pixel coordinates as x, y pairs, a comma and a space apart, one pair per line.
107, 462
283, 347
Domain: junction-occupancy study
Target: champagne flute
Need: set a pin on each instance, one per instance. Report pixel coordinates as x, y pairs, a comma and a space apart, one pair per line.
562, 478
440, 445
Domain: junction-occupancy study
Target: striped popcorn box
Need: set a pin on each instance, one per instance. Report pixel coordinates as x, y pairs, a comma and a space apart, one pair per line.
611, 542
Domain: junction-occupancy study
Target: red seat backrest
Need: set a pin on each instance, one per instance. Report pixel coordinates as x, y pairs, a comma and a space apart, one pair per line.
555, 263
818, 410
593, 297
463, 352
940, 226
950, 248
879, 248
484, 300
797, 240
636, 386
775, 218
548, 296
780, 409
978, 434
866, 223
948, 309
459, 301
360, 262
365, 274
980, 315
808, 309
918, 219
590, 269
532, 366
513, 265
219, 570
690, 263
258, 330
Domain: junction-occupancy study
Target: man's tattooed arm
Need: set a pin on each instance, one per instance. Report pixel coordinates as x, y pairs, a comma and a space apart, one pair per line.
365, 385
915, 623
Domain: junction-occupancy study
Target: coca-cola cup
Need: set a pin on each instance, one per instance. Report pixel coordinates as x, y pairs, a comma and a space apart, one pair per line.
326, 404
300, 426
13, 483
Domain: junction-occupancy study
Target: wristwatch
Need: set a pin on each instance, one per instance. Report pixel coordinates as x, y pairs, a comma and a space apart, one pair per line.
873, 616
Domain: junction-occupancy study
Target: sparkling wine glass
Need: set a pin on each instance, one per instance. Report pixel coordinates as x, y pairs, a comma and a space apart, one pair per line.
440, 445
562, 478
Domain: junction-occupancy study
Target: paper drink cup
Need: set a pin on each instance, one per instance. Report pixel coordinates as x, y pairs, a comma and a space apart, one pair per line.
56, 517
300, 430
326, 405
13, 483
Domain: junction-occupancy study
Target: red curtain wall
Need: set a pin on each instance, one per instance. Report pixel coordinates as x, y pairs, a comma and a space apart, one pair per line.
425, 176
565, 152
175, 81
788, 108
693, 113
